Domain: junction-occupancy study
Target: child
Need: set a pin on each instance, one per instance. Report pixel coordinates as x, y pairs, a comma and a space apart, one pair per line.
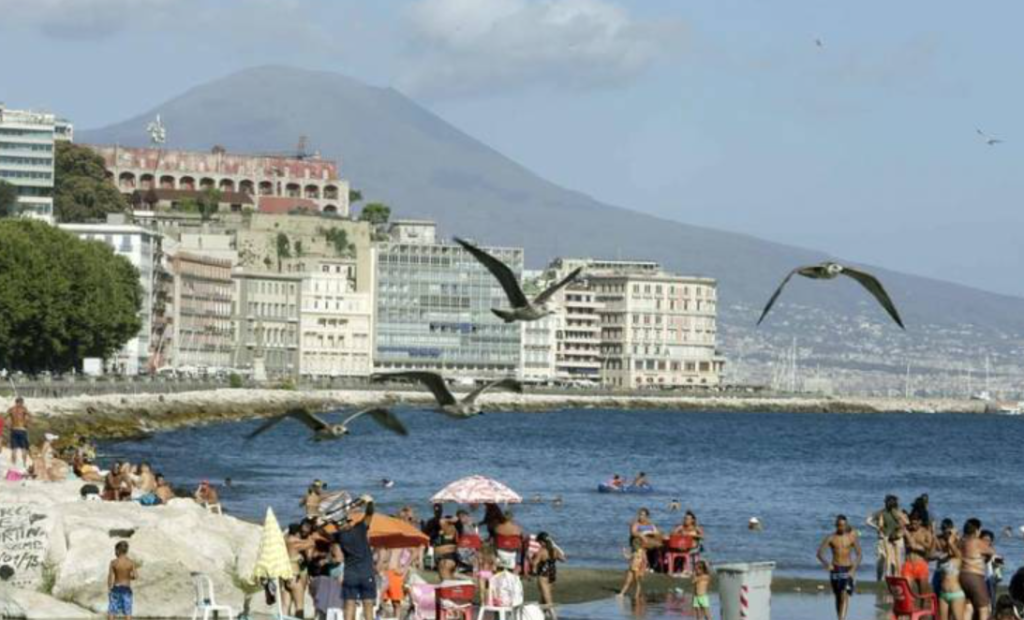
488, 563
637, 568
701, 585
119, 582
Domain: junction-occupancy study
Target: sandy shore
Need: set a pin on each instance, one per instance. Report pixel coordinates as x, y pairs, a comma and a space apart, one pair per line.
106, 416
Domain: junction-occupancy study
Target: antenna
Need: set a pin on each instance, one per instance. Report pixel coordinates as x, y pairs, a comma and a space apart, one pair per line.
157, 132
302, 149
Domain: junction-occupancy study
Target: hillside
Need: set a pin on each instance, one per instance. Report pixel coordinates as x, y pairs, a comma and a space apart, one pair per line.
396, 151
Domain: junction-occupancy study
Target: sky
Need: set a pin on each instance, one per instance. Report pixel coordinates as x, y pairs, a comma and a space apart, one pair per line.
844, 127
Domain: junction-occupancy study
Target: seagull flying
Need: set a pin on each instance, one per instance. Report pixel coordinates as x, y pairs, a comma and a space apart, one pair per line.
988, 139
819, 43
830, 271
322, 431
523, 309
446, 401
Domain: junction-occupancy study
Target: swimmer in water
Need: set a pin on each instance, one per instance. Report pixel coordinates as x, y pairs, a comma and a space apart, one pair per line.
674, 506
387, 483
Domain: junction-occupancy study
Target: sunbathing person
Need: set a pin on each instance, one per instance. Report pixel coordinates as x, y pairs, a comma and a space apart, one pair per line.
163, 491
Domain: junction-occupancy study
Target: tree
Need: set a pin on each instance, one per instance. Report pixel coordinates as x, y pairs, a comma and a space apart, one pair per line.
284, 248
8, 199
81, 190
354, 196
376, 213
338, 238
209, 202
62, 299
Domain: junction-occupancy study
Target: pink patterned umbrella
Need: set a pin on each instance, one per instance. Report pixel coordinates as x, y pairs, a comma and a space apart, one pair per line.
477, 490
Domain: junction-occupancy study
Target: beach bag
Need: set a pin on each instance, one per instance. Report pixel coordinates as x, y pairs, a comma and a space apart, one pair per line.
88, 489
14, 475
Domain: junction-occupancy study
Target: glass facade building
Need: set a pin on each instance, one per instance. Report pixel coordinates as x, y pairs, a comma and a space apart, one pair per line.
433, 308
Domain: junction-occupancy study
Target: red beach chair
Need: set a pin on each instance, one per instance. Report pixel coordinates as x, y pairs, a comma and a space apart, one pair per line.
455, 599
906, 604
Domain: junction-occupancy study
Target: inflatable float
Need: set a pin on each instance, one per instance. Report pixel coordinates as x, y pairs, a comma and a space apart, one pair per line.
604, 487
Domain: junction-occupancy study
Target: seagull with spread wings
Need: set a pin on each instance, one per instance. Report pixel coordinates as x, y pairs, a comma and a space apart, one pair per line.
322, 431
447, 403
989, 140
523, 309
830, 271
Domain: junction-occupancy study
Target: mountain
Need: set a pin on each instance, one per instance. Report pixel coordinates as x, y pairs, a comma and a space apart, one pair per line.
398, 152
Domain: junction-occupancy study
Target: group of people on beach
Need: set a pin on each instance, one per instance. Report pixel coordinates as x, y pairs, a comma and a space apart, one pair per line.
967, 567
494, 553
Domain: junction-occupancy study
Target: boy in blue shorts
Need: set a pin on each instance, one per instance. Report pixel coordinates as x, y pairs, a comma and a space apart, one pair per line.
119, 582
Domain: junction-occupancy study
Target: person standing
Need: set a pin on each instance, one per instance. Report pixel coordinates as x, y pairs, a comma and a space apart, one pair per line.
920, 545
974, 550
19, 417
545, 563
844, 546
359, 584
119, 583
701, 587
889, 523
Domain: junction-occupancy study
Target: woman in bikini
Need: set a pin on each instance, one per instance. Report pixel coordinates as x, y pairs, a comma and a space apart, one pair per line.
973, 549
650, 537
952, 600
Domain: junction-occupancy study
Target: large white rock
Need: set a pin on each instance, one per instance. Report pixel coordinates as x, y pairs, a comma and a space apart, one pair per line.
73, 544
19, 604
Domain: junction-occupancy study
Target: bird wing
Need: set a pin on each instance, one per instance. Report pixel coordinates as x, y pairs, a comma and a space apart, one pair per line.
433, 381
508, 383
381, 416
874, 287
302, 415
980, 132
775, 295
504, 275
554, 288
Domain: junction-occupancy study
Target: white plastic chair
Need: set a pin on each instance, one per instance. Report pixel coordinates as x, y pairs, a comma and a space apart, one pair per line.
206, 602
504, 597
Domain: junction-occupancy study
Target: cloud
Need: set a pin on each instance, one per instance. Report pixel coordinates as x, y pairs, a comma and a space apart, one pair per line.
469, 47
83, 19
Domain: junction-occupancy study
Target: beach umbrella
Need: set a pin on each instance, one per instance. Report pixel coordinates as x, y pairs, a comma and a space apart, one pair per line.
272, 561
391, 533
477, 490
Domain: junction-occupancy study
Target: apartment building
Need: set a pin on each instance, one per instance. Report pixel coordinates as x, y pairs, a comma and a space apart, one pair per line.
336, 321
266, 321
27, 154
200, 331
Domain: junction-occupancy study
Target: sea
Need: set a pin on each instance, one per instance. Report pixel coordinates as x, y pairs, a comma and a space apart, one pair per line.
793, 471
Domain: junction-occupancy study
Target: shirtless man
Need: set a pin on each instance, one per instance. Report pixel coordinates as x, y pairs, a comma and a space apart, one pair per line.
920, 543
119, 583
163, 490
19, 417
206, 496
842, 568
311, 500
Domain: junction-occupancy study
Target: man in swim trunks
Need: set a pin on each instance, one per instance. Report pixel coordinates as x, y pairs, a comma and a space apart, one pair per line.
701, 586
920, 543
842, 568
19, 416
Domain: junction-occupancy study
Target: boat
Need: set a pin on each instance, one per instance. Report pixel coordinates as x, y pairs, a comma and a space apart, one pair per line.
604, 487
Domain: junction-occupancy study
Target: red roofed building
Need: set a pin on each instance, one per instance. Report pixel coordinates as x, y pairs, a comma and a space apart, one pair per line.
283, 204
308, 178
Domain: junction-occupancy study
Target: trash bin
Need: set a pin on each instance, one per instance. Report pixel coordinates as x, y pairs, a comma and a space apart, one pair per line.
745, 590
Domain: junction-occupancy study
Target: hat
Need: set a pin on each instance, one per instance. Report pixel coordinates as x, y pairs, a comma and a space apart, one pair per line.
51, 437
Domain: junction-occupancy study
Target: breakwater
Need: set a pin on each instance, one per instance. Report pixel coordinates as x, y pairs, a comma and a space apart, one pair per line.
127, 415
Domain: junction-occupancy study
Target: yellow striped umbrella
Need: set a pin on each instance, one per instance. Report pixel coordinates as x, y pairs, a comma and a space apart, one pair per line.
272, 560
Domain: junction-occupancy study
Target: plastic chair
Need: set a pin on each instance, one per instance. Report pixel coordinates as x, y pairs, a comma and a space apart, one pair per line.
454, 599
505, 597
205, 601
424, 604
906, 604
679, 548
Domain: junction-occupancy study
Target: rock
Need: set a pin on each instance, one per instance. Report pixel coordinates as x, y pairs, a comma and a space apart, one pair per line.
31, 605
73, 543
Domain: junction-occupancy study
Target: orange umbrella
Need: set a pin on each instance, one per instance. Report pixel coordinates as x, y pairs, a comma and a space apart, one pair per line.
391, 533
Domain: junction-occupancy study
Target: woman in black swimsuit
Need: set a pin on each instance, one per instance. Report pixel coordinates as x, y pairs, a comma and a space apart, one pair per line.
446, 549
545, 567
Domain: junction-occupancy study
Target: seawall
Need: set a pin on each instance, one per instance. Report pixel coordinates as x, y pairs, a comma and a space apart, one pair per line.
126, 415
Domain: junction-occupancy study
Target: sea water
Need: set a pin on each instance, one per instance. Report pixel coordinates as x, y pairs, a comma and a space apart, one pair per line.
794, 472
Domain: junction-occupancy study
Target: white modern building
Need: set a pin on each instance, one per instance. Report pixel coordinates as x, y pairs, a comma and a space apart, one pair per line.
337, 321
142, 248
27, 154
